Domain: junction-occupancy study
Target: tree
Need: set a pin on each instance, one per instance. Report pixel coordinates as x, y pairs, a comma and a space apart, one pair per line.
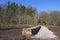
55, 16
43, 18
31, 12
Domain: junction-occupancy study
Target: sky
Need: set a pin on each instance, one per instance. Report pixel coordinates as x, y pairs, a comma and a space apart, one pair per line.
40, 5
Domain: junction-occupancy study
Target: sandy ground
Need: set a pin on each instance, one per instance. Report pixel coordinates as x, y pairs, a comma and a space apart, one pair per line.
15, 33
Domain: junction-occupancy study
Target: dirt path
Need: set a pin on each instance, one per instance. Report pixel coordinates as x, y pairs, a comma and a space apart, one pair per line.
15, 33
10, 34
56, 30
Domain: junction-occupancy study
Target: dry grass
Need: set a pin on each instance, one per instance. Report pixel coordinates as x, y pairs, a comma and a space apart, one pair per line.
16, 25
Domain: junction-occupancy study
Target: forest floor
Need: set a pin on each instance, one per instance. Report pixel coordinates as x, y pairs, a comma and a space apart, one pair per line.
15, 33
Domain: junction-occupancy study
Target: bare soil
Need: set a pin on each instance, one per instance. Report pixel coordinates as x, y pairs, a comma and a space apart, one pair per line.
15, 33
